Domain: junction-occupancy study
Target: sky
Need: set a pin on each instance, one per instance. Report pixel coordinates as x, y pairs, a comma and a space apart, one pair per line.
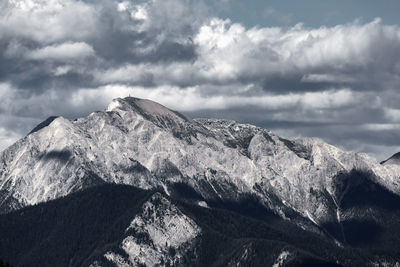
326, 69
312, 13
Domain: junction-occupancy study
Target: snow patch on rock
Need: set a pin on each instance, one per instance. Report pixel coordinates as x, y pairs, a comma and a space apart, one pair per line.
203, 204
280, 261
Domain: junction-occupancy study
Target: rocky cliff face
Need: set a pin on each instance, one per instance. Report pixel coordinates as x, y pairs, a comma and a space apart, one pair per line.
139, 142
159, 235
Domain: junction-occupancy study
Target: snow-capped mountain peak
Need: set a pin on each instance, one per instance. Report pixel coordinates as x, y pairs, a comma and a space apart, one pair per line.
142, 143
145, 107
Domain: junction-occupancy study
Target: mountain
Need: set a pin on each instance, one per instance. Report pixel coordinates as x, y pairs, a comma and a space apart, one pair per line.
393, 160
126, 226
347, 198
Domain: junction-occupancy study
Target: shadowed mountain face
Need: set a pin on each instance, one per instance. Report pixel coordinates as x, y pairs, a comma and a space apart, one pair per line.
85, 228
344, 198
370, 214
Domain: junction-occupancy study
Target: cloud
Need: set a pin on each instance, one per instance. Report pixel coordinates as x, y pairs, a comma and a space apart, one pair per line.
328, 78
65, 51
192, 98
7, 137
71, 57
48, 21
278, 60
348, 52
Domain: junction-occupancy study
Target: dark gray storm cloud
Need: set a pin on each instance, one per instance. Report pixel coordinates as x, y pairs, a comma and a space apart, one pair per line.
71, 57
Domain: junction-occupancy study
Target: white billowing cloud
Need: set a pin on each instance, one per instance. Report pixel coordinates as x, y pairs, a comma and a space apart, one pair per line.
65, 51
47, 21
229, 50
228, 53
351, 44
70, 57
192, 98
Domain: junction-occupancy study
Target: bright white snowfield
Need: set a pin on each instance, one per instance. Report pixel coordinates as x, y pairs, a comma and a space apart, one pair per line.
142, 143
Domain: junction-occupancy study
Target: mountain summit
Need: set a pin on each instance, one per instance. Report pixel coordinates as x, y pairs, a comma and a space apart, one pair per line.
145, 107
393, 160
210, 162
142, 143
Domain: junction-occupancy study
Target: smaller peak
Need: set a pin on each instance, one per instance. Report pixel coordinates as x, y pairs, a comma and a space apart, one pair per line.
393, 160
43, 124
